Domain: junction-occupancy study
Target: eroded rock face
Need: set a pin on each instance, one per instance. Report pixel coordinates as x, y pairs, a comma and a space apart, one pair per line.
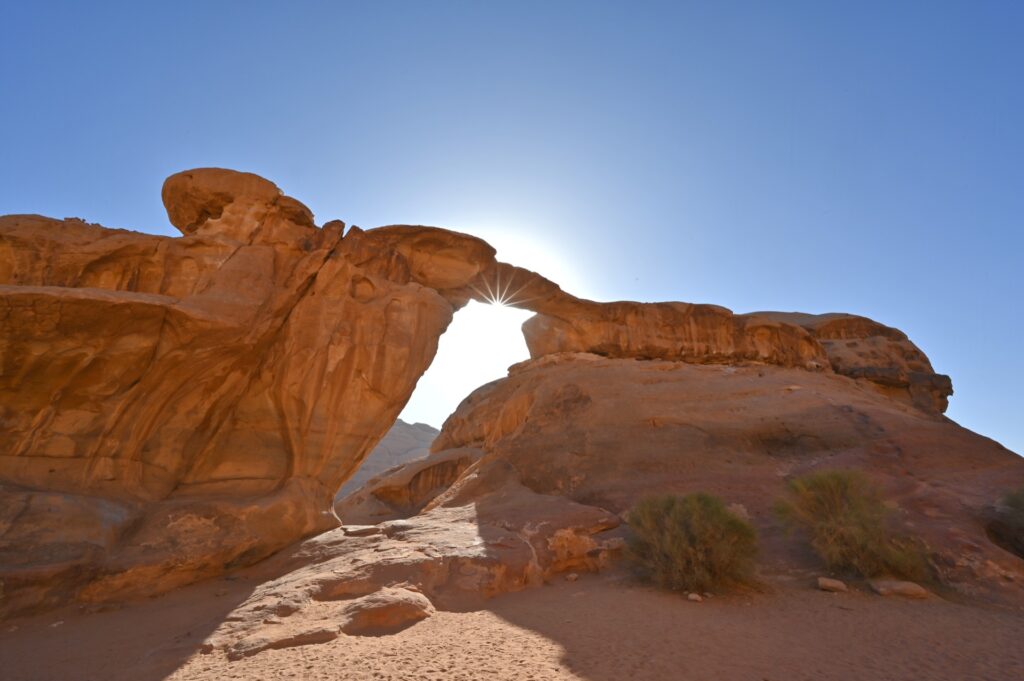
196, 401
708, 334
862, 348
675, 331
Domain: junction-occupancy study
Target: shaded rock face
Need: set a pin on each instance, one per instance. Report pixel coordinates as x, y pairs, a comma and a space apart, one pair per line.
403, 443
175, 407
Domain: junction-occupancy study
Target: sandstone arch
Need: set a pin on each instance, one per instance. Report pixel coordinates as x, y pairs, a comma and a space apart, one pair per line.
174, 406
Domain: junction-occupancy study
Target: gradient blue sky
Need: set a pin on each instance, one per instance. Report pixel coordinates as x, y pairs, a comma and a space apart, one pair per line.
861, 157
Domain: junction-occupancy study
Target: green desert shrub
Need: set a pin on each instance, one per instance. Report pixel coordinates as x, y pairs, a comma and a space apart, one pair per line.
1006, 527
691, 542
848, 526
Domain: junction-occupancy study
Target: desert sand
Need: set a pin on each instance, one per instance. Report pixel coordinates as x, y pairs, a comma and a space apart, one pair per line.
602, 627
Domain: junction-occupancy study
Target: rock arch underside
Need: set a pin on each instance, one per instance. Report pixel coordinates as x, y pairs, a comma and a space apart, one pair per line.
173, 408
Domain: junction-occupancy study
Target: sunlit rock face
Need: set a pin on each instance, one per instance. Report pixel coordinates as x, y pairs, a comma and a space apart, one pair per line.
174, 407
675, 331
859, 347
192, 403
708, 334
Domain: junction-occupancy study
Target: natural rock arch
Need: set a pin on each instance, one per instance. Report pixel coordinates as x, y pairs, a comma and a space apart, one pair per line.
185, 404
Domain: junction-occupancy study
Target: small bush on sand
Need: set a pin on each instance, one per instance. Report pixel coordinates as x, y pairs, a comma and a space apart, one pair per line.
843, 514
1006, 528
691, 542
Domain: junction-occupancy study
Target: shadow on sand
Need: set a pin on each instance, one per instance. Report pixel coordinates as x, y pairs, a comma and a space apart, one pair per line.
603, 627
144, 640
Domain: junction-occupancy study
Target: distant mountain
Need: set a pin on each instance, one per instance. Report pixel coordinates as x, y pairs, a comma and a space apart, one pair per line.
405, 442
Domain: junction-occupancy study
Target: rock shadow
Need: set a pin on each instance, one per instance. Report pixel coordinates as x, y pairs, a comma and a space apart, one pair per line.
144, 640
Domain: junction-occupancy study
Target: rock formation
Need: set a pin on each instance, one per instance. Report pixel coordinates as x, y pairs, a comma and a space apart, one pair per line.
533, 473
604, 432
173, 406
176, 407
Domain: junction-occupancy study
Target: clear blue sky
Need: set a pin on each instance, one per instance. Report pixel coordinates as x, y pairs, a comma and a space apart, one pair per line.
815, 156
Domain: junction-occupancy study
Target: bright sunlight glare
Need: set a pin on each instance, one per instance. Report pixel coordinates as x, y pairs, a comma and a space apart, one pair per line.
530, 249
478, 347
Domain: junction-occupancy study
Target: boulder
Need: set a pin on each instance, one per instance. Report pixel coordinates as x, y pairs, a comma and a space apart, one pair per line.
385, 612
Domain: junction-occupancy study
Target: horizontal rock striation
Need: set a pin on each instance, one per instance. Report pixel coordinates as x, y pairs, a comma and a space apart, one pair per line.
859, 347
685, 332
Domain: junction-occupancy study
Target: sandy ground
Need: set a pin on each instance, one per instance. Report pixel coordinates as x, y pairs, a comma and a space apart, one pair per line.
600, 628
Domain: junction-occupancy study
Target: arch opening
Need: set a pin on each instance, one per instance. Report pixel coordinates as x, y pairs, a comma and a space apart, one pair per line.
481, 343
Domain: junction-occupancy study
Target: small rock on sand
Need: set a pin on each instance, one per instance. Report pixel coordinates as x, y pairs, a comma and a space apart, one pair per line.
696, 598
833, 585
291, 637
360, 530
894, 587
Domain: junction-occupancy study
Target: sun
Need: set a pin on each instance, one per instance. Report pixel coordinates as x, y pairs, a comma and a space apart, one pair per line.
504, 293
531, 251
